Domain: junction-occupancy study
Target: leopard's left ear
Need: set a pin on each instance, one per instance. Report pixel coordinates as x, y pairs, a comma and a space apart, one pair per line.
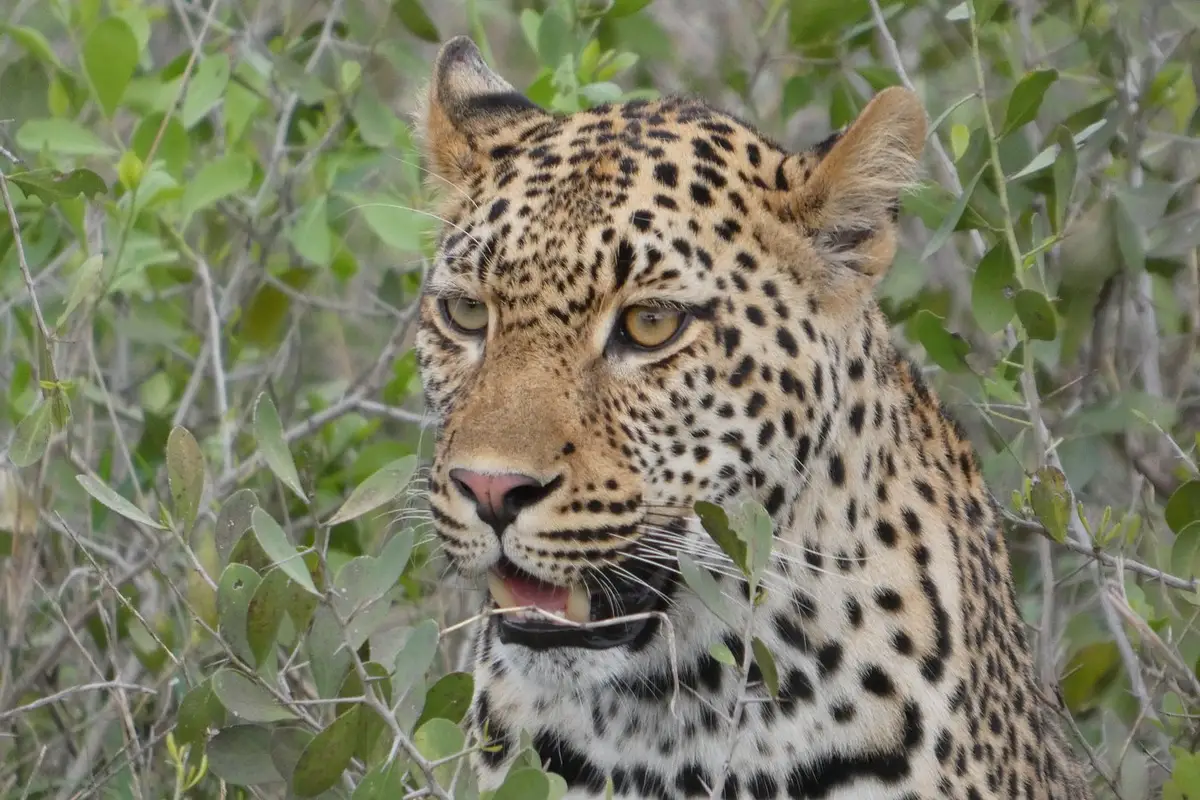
851, 201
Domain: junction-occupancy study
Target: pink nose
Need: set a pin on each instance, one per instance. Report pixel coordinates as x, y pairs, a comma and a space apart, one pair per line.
498, 498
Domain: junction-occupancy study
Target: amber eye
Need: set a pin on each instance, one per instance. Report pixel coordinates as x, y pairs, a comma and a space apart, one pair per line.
651, 327
464, 314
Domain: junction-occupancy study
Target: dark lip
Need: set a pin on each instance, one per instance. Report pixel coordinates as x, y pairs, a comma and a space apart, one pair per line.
631, 597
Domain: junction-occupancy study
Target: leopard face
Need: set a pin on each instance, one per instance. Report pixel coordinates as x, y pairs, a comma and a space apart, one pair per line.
632, 309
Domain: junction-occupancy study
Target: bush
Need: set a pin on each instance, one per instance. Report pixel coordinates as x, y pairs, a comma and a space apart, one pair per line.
210, 503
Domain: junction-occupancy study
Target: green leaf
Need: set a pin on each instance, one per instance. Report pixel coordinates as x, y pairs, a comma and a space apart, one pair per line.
1066, 165
235, 590
1036, 314
247, 699
706, 588
382, 487
412, 15
34, 42
396, 225
268, 433
947, 350
216, 180
417, 655
797, 94
1131, 238
233, 520
205, 89
110, 55
716, 524
241, 755
32, 436
1183, 508
383, 782
287, 745
82, 283
185, 475
327, 756
1087, 673
993, 288
389, 565
950, 221
721, 652
275, 544
449, 698
526, 783
623, 8
439, 739
753, 526
1026, 98
52, 186
1185, 551
61, 136
310, 234
264, 614
115, 502
1051, 500
198, 711
327, 653
766, 665
555, 39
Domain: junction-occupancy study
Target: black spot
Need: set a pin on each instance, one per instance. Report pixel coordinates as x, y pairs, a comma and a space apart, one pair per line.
667, 174
787, 342
876, 681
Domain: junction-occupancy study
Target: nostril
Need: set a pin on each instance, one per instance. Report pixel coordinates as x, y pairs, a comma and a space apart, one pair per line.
526, 495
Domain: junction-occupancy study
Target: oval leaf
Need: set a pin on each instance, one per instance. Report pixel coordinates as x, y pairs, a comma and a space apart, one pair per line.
417, 654
1036, 315
1184, 506
110, 55
706, 587
268, 432
233, 521
115, 502
247, 699
185, 475
32, 436
382, 487
1026, 98
264, 614
413, 17
449, 698
275, 544
1051, 501
241, 755
205, 89
327, 756
235, 590
215, 181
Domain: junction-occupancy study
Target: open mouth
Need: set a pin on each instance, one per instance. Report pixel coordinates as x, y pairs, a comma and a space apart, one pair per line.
595, 617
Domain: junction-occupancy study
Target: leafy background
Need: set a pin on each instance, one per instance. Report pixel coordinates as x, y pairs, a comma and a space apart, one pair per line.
216, 575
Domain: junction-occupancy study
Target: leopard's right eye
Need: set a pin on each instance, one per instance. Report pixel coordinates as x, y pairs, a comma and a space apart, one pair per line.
464, 314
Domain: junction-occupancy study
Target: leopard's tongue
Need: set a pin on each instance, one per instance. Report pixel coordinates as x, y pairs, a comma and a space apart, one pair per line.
518, 591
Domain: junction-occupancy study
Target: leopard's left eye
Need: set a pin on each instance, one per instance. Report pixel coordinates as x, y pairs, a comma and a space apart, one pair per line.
651, 327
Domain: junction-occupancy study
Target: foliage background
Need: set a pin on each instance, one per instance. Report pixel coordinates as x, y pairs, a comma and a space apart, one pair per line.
223, 303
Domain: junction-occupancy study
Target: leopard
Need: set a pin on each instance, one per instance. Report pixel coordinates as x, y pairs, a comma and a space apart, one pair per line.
644, 312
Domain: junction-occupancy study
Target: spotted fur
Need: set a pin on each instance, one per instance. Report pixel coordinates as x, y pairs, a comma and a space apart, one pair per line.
903, 665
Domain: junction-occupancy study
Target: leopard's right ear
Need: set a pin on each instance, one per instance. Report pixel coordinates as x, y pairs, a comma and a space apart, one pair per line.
465, 103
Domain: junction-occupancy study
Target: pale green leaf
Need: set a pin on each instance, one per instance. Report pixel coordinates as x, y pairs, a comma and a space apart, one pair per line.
185, 475
247, 699
268, 432
205, 89
82, 283
383, 486
107, 497
241, 755
327, 755
32, 436
61, 136
110, 55
216, 180
275, 544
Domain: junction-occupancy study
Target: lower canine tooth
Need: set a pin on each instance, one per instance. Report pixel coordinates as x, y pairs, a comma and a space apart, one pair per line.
579, 605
